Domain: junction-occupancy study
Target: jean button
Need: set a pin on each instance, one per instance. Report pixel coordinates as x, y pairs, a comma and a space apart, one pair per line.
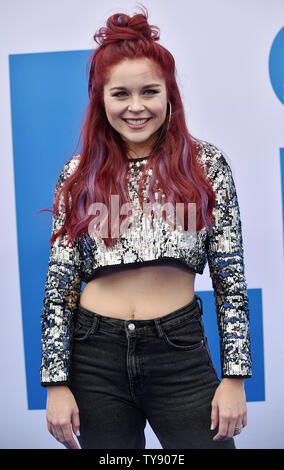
131, 326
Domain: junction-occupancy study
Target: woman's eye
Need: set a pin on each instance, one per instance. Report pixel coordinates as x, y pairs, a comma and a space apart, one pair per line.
154, 91
119, 93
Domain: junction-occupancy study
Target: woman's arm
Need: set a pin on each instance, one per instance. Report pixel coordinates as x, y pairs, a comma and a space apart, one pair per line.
224, 248
226, 266
62, 291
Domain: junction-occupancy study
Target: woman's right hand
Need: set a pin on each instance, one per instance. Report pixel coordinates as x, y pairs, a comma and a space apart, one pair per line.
61, 412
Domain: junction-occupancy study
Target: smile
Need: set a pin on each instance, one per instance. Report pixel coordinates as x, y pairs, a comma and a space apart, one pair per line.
136, 123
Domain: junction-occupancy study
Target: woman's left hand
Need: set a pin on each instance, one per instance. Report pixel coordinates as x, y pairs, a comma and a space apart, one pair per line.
229, 408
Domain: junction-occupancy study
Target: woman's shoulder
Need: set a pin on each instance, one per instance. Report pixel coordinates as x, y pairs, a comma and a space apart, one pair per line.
67, 170
212, 158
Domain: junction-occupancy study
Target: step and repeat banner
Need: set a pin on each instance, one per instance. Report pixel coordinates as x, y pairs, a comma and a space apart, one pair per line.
230, 69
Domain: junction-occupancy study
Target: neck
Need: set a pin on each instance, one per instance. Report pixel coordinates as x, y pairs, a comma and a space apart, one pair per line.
138, 158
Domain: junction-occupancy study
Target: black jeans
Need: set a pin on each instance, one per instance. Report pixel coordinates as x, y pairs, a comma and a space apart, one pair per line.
125, 372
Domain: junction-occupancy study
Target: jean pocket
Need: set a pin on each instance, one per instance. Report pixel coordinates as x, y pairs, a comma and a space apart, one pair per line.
186, 336
81, 331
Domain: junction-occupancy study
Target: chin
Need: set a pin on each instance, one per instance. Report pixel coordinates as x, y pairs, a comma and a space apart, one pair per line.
136, 139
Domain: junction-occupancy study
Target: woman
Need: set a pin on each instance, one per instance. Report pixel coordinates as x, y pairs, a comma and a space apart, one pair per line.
131, 346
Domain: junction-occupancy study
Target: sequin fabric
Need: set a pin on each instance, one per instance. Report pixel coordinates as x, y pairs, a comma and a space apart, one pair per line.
150, 240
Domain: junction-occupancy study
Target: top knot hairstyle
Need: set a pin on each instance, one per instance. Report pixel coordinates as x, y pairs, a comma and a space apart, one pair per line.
103, 162
123, 27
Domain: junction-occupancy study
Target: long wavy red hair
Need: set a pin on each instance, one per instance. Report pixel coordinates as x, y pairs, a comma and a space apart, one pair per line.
103, 162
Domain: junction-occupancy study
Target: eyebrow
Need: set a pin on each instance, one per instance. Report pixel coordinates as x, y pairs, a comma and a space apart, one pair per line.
124, 88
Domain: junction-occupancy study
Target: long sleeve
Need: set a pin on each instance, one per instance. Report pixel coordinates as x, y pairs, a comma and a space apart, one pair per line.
224, 249
61, 295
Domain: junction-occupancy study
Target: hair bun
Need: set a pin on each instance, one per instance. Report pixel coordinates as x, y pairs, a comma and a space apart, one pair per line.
123, 27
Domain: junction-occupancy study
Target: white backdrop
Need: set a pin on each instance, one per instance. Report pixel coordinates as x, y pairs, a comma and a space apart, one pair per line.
221, 49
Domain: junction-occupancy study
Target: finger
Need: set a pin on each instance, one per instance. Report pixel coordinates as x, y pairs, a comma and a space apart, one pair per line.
54, 431
222, 431
50, 428
231, 428
239, 426
75, 423
71, 444
214, 416
69, 440
245, 419
58, 433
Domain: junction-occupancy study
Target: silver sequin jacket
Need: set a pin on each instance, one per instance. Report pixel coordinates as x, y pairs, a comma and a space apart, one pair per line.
221, 246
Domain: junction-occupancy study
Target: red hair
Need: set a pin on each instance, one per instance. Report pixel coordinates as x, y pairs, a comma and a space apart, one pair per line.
103, 161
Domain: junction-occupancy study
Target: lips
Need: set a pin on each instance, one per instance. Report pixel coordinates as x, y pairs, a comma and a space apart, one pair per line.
137, 126
136, 119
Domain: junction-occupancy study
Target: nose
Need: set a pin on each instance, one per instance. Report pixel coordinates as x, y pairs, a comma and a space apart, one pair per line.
136, 104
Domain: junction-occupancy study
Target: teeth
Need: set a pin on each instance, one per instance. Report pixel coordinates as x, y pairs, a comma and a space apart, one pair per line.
142, 121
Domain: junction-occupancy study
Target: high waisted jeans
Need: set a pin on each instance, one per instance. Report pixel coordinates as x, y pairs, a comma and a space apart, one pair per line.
125, 372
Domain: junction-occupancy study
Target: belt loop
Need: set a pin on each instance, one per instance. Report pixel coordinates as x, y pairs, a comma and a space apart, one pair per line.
159, 327
95, 325
201, 306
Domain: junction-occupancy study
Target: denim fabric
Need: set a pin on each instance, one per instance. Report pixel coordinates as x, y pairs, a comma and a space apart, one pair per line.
125, 372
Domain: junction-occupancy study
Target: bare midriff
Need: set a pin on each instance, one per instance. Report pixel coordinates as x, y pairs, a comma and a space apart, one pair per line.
140, 293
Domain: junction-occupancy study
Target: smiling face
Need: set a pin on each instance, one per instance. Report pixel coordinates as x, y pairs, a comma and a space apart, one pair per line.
135, 92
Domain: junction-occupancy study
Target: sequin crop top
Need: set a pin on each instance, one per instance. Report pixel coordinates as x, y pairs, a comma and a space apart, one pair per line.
221, 246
